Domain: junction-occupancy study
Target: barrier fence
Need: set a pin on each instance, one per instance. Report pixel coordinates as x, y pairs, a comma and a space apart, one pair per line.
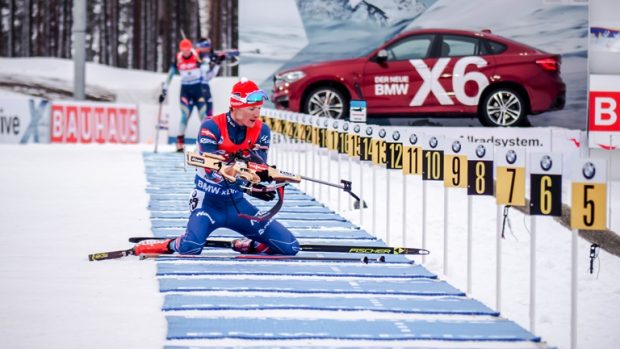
536, 169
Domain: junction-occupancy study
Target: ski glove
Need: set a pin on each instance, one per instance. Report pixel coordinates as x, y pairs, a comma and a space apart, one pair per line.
261, 192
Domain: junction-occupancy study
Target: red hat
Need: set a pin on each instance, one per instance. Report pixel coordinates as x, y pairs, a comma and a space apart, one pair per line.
185, 44
246, 93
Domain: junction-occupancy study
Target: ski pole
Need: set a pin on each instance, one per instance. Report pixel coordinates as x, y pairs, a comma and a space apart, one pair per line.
157, 127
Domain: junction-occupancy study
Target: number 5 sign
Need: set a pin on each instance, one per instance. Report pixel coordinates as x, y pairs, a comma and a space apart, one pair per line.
546, 184
589, 195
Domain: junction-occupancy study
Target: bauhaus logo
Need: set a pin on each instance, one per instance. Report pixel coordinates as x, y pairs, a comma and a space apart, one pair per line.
604, 110
93, 122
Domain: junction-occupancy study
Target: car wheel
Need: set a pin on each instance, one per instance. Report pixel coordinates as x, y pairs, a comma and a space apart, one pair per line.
503, 107
327, 101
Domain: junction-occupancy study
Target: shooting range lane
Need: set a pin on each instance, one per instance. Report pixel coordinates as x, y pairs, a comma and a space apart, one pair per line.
216, 297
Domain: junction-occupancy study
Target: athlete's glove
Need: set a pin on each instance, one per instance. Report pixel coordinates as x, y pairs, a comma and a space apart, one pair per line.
218, 58
162, 96
260, 191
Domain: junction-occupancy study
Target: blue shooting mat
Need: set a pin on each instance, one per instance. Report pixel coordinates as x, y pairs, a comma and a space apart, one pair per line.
299, 233
378, 270
402, 304
370, 286
495, 329
289, 286
182, 223
183, 196
291, 216
289, 205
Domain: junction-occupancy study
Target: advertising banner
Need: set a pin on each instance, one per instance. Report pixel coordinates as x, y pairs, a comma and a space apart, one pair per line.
88, 122
24, 120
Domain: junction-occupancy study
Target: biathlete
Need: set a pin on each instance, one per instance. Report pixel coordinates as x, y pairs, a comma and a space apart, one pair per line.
188, 64
217, 203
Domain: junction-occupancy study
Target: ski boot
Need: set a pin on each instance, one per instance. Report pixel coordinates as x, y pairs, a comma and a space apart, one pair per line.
247, 246
153, 247
180, 143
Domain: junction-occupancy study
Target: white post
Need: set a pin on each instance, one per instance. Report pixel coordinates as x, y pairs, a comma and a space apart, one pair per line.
404, 239
320, 156
338, 196
361, 192
374, 200
573, 291
314, 166
498, 258
329, 174
351, 179
469, 243
423, 218
445, 231
532, 273
387, 207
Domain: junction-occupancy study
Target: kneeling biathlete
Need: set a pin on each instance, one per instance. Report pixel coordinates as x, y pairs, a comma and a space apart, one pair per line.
216, 203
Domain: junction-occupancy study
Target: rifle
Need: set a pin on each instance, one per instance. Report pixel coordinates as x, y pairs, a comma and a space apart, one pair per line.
241, 167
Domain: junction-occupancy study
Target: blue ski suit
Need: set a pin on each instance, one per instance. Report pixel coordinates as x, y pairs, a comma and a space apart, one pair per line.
211, 202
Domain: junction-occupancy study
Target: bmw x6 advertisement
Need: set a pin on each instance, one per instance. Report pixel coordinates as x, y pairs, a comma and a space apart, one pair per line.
422, 62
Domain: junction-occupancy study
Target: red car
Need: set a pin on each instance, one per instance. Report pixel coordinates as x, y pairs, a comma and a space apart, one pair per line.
431, 72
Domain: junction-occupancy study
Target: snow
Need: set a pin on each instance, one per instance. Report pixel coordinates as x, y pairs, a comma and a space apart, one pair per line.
128, 86
599, 301
58, 203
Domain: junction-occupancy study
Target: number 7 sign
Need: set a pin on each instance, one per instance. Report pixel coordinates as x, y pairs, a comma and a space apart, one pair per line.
510, 185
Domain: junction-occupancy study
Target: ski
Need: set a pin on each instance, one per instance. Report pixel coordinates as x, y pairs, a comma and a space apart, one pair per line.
318, 248
110, 255
258, 257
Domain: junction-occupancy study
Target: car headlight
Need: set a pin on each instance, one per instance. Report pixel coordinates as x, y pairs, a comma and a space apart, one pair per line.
291, 76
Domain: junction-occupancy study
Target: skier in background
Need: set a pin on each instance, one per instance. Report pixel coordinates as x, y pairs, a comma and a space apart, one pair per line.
188, 64
216, 203
212, 63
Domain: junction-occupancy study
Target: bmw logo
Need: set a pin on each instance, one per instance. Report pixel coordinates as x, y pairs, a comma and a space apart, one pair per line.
357, 128
480, 151
395, 135
456, 146
368, 130
546, 163
511, 156
345, 126
382, 133
413, 139
433, 142
588, 170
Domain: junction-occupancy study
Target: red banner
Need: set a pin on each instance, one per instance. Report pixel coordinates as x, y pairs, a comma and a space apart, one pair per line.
77, 122
604, 111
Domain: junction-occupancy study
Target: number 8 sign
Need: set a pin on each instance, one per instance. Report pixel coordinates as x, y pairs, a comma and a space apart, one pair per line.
589, 195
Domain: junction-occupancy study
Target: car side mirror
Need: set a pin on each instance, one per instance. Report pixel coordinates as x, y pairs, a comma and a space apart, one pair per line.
382, 56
